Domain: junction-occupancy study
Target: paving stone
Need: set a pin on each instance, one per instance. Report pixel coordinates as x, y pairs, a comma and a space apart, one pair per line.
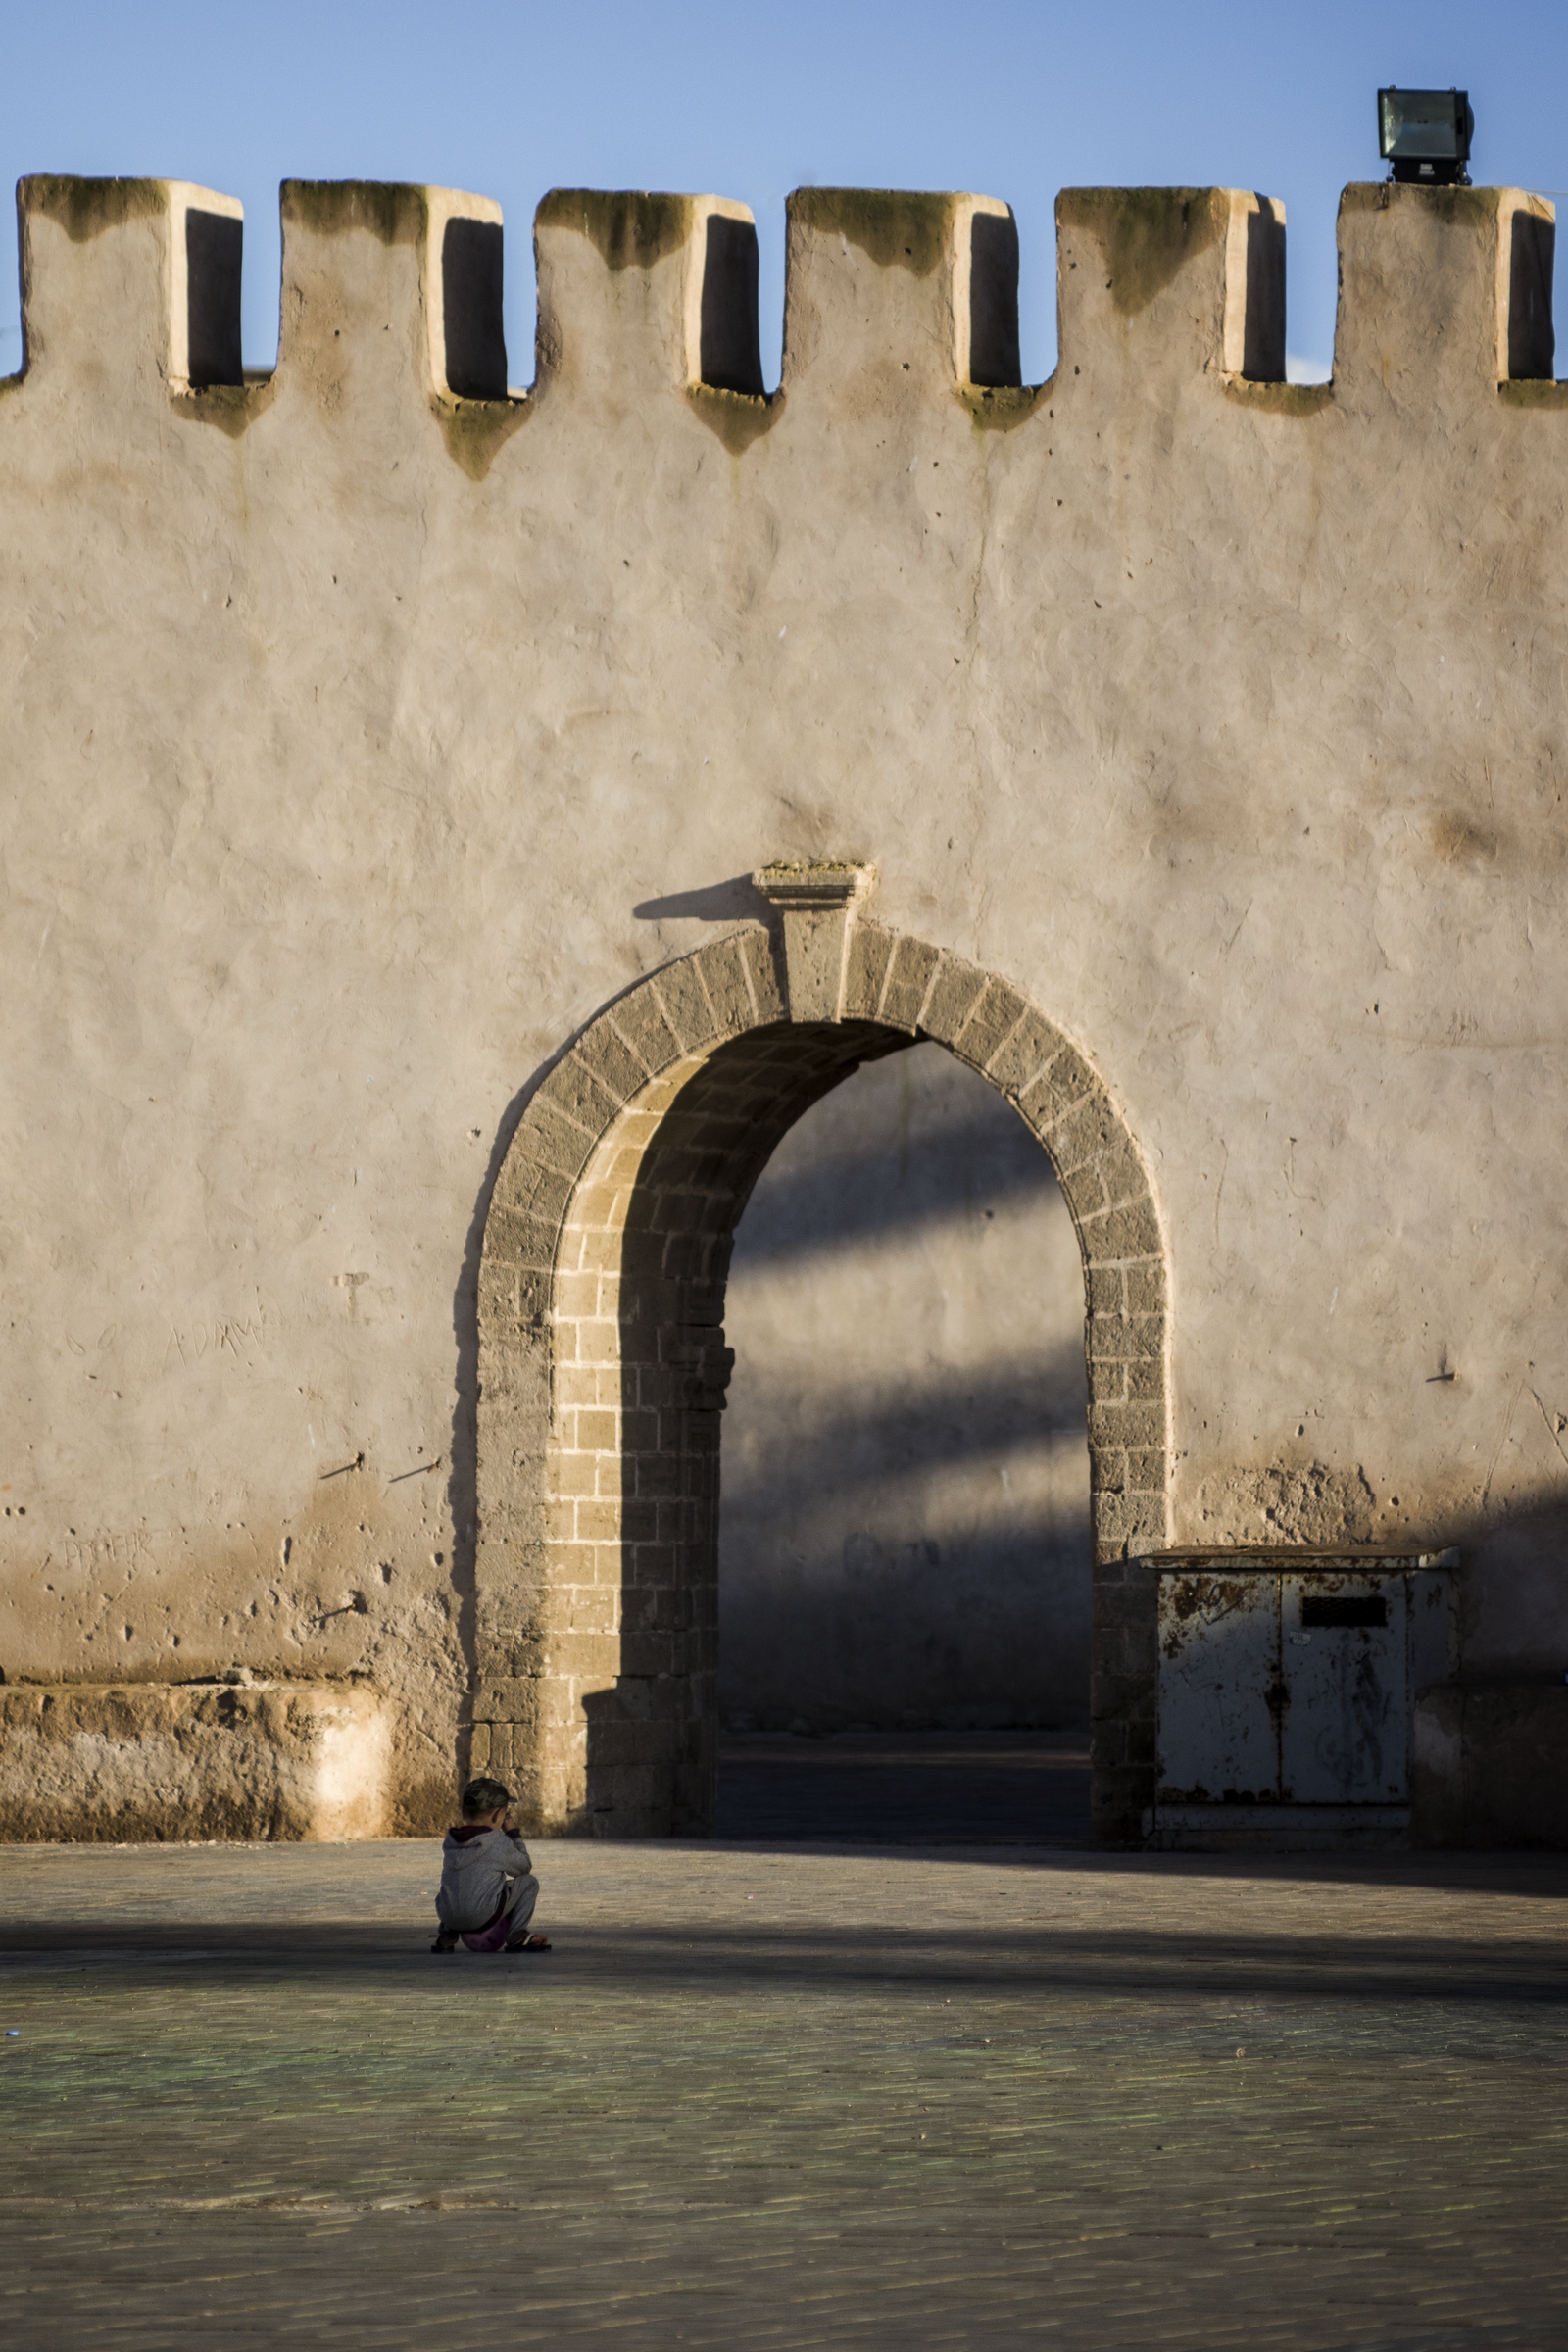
786, 2096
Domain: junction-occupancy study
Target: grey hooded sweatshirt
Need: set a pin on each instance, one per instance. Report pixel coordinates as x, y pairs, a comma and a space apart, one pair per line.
476, 1863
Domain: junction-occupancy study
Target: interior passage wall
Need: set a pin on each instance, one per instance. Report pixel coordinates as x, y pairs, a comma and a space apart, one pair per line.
903, 1527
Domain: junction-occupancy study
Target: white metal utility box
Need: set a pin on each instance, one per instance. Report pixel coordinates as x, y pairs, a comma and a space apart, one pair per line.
1286, 1682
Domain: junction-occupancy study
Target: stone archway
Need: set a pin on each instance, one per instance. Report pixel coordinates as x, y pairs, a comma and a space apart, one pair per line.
603, 1365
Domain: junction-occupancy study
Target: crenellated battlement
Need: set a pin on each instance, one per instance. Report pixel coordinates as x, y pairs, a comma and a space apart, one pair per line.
131, 289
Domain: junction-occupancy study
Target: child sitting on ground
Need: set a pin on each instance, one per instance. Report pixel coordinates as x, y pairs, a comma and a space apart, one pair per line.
488, 1889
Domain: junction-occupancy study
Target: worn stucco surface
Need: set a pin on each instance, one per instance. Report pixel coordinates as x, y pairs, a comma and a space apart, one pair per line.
362, 743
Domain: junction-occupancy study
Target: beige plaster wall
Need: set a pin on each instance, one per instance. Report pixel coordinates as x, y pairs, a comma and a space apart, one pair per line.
363, 742
903, 1515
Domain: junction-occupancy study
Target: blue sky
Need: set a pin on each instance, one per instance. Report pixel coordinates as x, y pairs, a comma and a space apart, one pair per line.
1009, 100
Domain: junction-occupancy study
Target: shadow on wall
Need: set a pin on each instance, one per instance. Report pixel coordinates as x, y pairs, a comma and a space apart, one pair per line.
903, 1535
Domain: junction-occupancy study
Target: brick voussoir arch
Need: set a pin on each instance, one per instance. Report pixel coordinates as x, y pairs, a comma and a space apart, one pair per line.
602, 1365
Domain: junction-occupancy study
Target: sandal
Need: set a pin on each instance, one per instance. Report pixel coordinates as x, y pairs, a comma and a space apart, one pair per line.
528, 1943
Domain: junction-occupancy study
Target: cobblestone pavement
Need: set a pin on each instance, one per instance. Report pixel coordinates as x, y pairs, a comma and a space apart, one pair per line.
785, 2097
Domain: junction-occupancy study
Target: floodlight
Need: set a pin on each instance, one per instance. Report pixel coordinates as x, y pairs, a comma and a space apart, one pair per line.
1424, 136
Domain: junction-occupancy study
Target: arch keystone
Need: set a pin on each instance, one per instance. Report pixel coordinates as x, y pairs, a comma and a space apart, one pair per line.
817, 905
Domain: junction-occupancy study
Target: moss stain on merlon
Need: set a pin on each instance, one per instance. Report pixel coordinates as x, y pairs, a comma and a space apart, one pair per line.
1454, 208
631, 229
85, 208
396, 212
1146, 236
897, 228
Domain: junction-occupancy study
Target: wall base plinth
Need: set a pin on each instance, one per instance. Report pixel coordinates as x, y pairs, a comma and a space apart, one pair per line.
146, 1763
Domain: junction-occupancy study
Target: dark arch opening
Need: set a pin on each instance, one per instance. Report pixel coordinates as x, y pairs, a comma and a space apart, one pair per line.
904, 1579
